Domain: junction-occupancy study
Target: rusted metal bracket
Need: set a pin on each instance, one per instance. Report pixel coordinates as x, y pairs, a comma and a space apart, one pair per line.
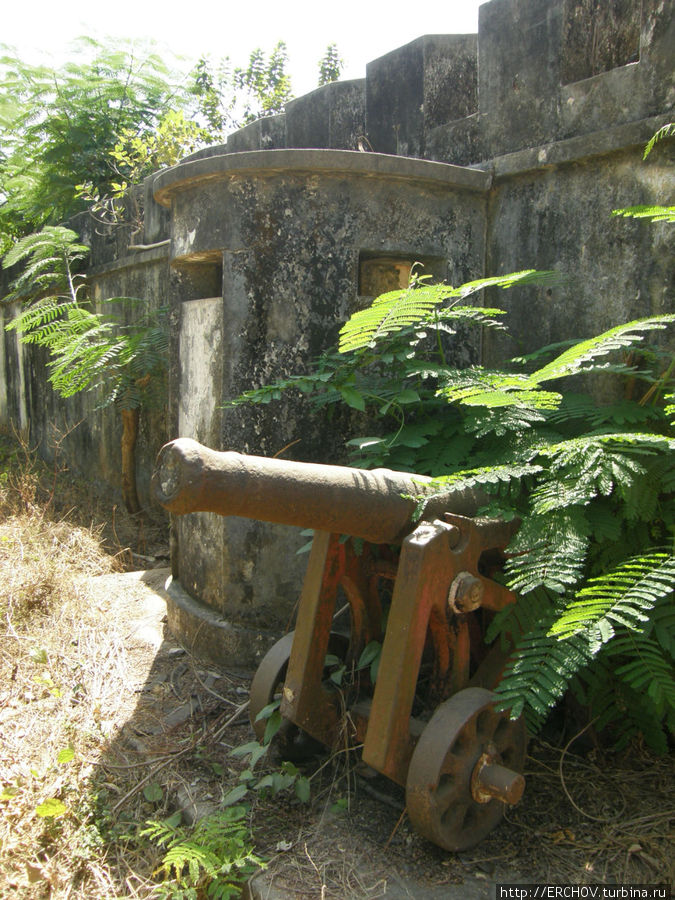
437, 560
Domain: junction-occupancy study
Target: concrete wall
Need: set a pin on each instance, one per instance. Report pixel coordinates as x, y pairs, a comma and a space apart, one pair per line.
479, 154
287, 231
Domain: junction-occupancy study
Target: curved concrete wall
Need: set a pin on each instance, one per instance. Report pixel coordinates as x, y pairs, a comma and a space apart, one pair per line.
287, 229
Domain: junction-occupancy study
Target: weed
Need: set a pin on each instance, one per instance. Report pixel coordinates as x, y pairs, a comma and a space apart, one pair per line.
215, 856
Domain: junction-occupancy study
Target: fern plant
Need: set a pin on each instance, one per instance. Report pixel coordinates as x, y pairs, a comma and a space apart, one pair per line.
212, 859
88, 350
594, 555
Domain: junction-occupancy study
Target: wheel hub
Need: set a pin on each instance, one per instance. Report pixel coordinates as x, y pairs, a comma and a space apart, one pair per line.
492, 781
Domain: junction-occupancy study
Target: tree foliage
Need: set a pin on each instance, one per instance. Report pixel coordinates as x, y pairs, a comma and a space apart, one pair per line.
330, 65
60, 126
75, 137
263, 87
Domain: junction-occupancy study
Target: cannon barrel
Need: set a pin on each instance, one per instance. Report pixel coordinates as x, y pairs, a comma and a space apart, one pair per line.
369, 504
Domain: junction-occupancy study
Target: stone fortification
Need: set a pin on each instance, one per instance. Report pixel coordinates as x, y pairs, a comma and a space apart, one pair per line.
475, 154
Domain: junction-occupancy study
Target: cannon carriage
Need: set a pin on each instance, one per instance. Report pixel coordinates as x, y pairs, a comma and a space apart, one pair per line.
418, 586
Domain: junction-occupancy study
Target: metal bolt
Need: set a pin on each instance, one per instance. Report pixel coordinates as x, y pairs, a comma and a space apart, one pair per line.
492, 781
466, 593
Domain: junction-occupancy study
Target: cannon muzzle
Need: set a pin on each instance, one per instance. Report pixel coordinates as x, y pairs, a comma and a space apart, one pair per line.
375, 504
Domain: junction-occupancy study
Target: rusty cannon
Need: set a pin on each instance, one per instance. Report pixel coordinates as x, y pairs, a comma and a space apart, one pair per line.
425, 716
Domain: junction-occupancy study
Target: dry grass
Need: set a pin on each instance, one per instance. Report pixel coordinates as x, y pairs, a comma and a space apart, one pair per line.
64, 676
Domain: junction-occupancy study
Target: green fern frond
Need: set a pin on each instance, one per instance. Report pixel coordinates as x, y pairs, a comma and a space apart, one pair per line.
161, 832
618, 711
576, 407
513, 421
632, 466
538, 675
623, 596
388, 313
546, 351
551, 552
399, 309
494, 389
522, 617
189, 853
604, 523
458, 385
35, 321
52, 242
640, 662
669, 408
486, 476
47, 258
594, 466
652, 213
476, 315
665, 131
561, 493
641, 493
534, 399
214, 856
662, 625
637, 444
582, 357
650, 672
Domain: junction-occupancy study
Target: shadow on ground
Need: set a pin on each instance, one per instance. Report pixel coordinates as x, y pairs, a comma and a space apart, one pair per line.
583, 820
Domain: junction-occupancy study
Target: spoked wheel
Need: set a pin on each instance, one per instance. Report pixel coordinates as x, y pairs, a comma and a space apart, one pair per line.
467, 764
292, 742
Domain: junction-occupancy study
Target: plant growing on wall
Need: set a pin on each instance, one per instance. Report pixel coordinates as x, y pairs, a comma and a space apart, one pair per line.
134, 156
650, 212
124, 364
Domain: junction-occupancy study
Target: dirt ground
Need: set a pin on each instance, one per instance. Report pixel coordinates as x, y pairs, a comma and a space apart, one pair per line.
103, 712
584, 819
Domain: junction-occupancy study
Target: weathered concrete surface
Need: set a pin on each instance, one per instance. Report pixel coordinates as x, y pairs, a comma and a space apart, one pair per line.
410, 91
612, 41
550, 70
289, 228
518, 73
210, 635
614, 269
331, 117
264, 134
